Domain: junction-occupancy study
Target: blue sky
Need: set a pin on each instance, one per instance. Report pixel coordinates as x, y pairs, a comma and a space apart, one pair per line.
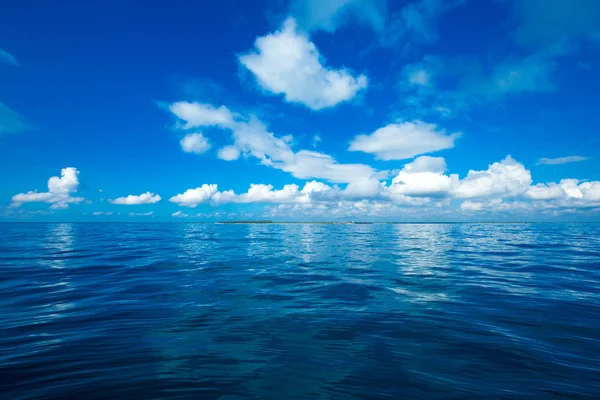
424, 110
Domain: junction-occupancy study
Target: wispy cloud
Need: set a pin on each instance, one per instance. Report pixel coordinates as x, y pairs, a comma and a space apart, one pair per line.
7, 58
561, 160
11, 121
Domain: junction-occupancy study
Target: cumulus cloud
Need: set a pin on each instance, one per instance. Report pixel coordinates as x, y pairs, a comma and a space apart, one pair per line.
7, 58
252, 138
144, 198
229, 153
107, 213
195, 143
566, 189
561, 160
404, 140
423, 184
59, 191
287, 62
505, 178
179, 214
424, 177
193, 197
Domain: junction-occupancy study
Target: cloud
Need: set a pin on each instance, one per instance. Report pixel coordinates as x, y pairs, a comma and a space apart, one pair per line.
287, 62
424, 177
59, 191
561, 160
505, 178
546, 23
471, 206
11, 121
415, 23
570, 189
107, 213
252, 139
144, 198
7, 58
195, 143
422, 185
451, 85
198, 114
179, 214
229, 153
146, 214
328, 16
404, 140
193, 197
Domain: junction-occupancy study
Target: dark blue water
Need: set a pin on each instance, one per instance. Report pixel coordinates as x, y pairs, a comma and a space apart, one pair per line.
203, 311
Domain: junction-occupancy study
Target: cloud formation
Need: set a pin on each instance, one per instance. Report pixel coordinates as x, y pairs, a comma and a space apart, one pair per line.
561, 160
252, 138
404, 140
7, 58
11, 121
59, 192
144, 198
287, 62
195, 143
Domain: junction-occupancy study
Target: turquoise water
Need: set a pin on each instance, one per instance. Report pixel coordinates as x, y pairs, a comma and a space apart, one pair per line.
299, 311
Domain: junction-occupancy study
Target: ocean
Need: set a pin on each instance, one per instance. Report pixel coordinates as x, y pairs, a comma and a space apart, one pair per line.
299, 311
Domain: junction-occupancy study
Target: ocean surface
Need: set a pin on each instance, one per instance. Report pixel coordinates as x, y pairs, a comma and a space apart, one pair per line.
299, 311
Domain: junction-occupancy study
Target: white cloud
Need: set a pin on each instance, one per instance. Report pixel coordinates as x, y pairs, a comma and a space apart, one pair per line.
569, 189
59, 191
229, 153
146, 214
404, 140
252, 138
424, 177
548, 191
179, 214
195, 143
107, 213
144, 198
287, 62
193, 197
197, 115
309, 164
259, 193
471, 206
561, 160
7, 58
505, 178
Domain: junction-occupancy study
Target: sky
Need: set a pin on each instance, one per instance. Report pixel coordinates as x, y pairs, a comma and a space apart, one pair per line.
300, 110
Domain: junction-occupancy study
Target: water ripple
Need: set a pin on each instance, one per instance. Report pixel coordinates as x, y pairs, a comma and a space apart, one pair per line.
299, 311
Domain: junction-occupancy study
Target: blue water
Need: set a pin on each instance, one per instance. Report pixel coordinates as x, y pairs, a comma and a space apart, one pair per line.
302, 311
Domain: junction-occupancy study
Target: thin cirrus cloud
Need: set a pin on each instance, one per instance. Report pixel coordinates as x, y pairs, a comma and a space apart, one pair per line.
7, 58
11, 121
59, 194
287, 62
561, 160
404, 140
144, 198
